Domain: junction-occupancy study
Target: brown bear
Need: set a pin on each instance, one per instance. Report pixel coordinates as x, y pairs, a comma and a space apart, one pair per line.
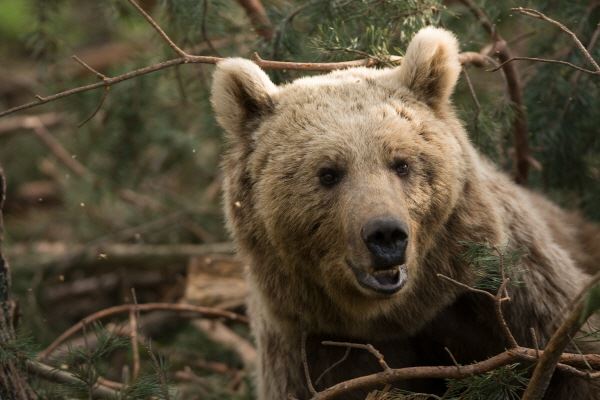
349, 193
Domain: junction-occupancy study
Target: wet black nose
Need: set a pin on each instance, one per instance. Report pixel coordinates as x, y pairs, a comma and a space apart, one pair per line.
386, 239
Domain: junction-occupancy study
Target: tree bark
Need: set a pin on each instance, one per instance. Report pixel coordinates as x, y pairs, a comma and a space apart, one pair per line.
13, 383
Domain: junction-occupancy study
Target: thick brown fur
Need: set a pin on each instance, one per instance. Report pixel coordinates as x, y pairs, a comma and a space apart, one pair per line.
298, 236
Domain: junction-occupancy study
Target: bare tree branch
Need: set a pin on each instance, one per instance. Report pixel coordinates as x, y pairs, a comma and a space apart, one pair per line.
265, 64
498, 299
367, 347
304, 357
539, 15
548, 360
332, 366
158, 29
206, 312
545, 60
186, 58
507, 357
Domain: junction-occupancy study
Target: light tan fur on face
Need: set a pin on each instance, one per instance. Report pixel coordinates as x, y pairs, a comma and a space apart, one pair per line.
298, 236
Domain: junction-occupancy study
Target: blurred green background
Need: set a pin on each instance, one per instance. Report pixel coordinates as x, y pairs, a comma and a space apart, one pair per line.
150, 153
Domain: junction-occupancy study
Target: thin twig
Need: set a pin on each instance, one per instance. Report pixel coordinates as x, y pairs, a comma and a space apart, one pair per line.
469, 288
85, 65
574, 81
498, 299
500, 316
332, 366
305, 367
539, 15
98, 107
456, 364
367, 347
536, 344
544, 60
206, 312
475, 100
158, 29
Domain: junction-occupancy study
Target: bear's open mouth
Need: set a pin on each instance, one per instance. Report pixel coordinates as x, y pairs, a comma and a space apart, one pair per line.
387, 281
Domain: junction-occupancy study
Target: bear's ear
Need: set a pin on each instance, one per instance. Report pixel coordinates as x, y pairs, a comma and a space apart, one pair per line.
241, 96
430, 67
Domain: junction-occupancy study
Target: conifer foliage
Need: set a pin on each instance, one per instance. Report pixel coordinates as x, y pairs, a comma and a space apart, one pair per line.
136, 162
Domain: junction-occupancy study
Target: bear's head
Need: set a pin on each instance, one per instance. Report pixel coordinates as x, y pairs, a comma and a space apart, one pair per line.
338, 183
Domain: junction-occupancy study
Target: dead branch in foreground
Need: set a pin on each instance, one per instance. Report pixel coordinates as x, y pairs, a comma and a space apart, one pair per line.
394, 375
206, 312
547, 360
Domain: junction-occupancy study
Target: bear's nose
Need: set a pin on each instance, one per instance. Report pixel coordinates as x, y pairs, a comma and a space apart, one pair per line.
386, 239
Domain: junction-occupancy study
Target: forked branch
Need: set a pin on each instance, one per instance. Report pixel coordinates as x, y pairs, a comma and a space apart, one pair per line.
186, 58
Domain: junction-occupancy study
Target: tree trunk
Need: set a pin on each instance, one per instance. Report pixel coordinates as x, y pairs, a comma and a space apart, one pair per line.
13, 383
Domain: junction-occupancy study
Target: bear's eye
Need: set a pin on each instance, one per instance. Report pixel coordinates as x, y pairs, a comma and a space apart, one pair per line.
400, 168
329, 176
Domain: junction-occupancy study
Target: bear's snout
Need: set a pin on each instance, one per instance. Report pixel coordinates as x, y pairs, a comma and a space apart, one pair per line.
386, 239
